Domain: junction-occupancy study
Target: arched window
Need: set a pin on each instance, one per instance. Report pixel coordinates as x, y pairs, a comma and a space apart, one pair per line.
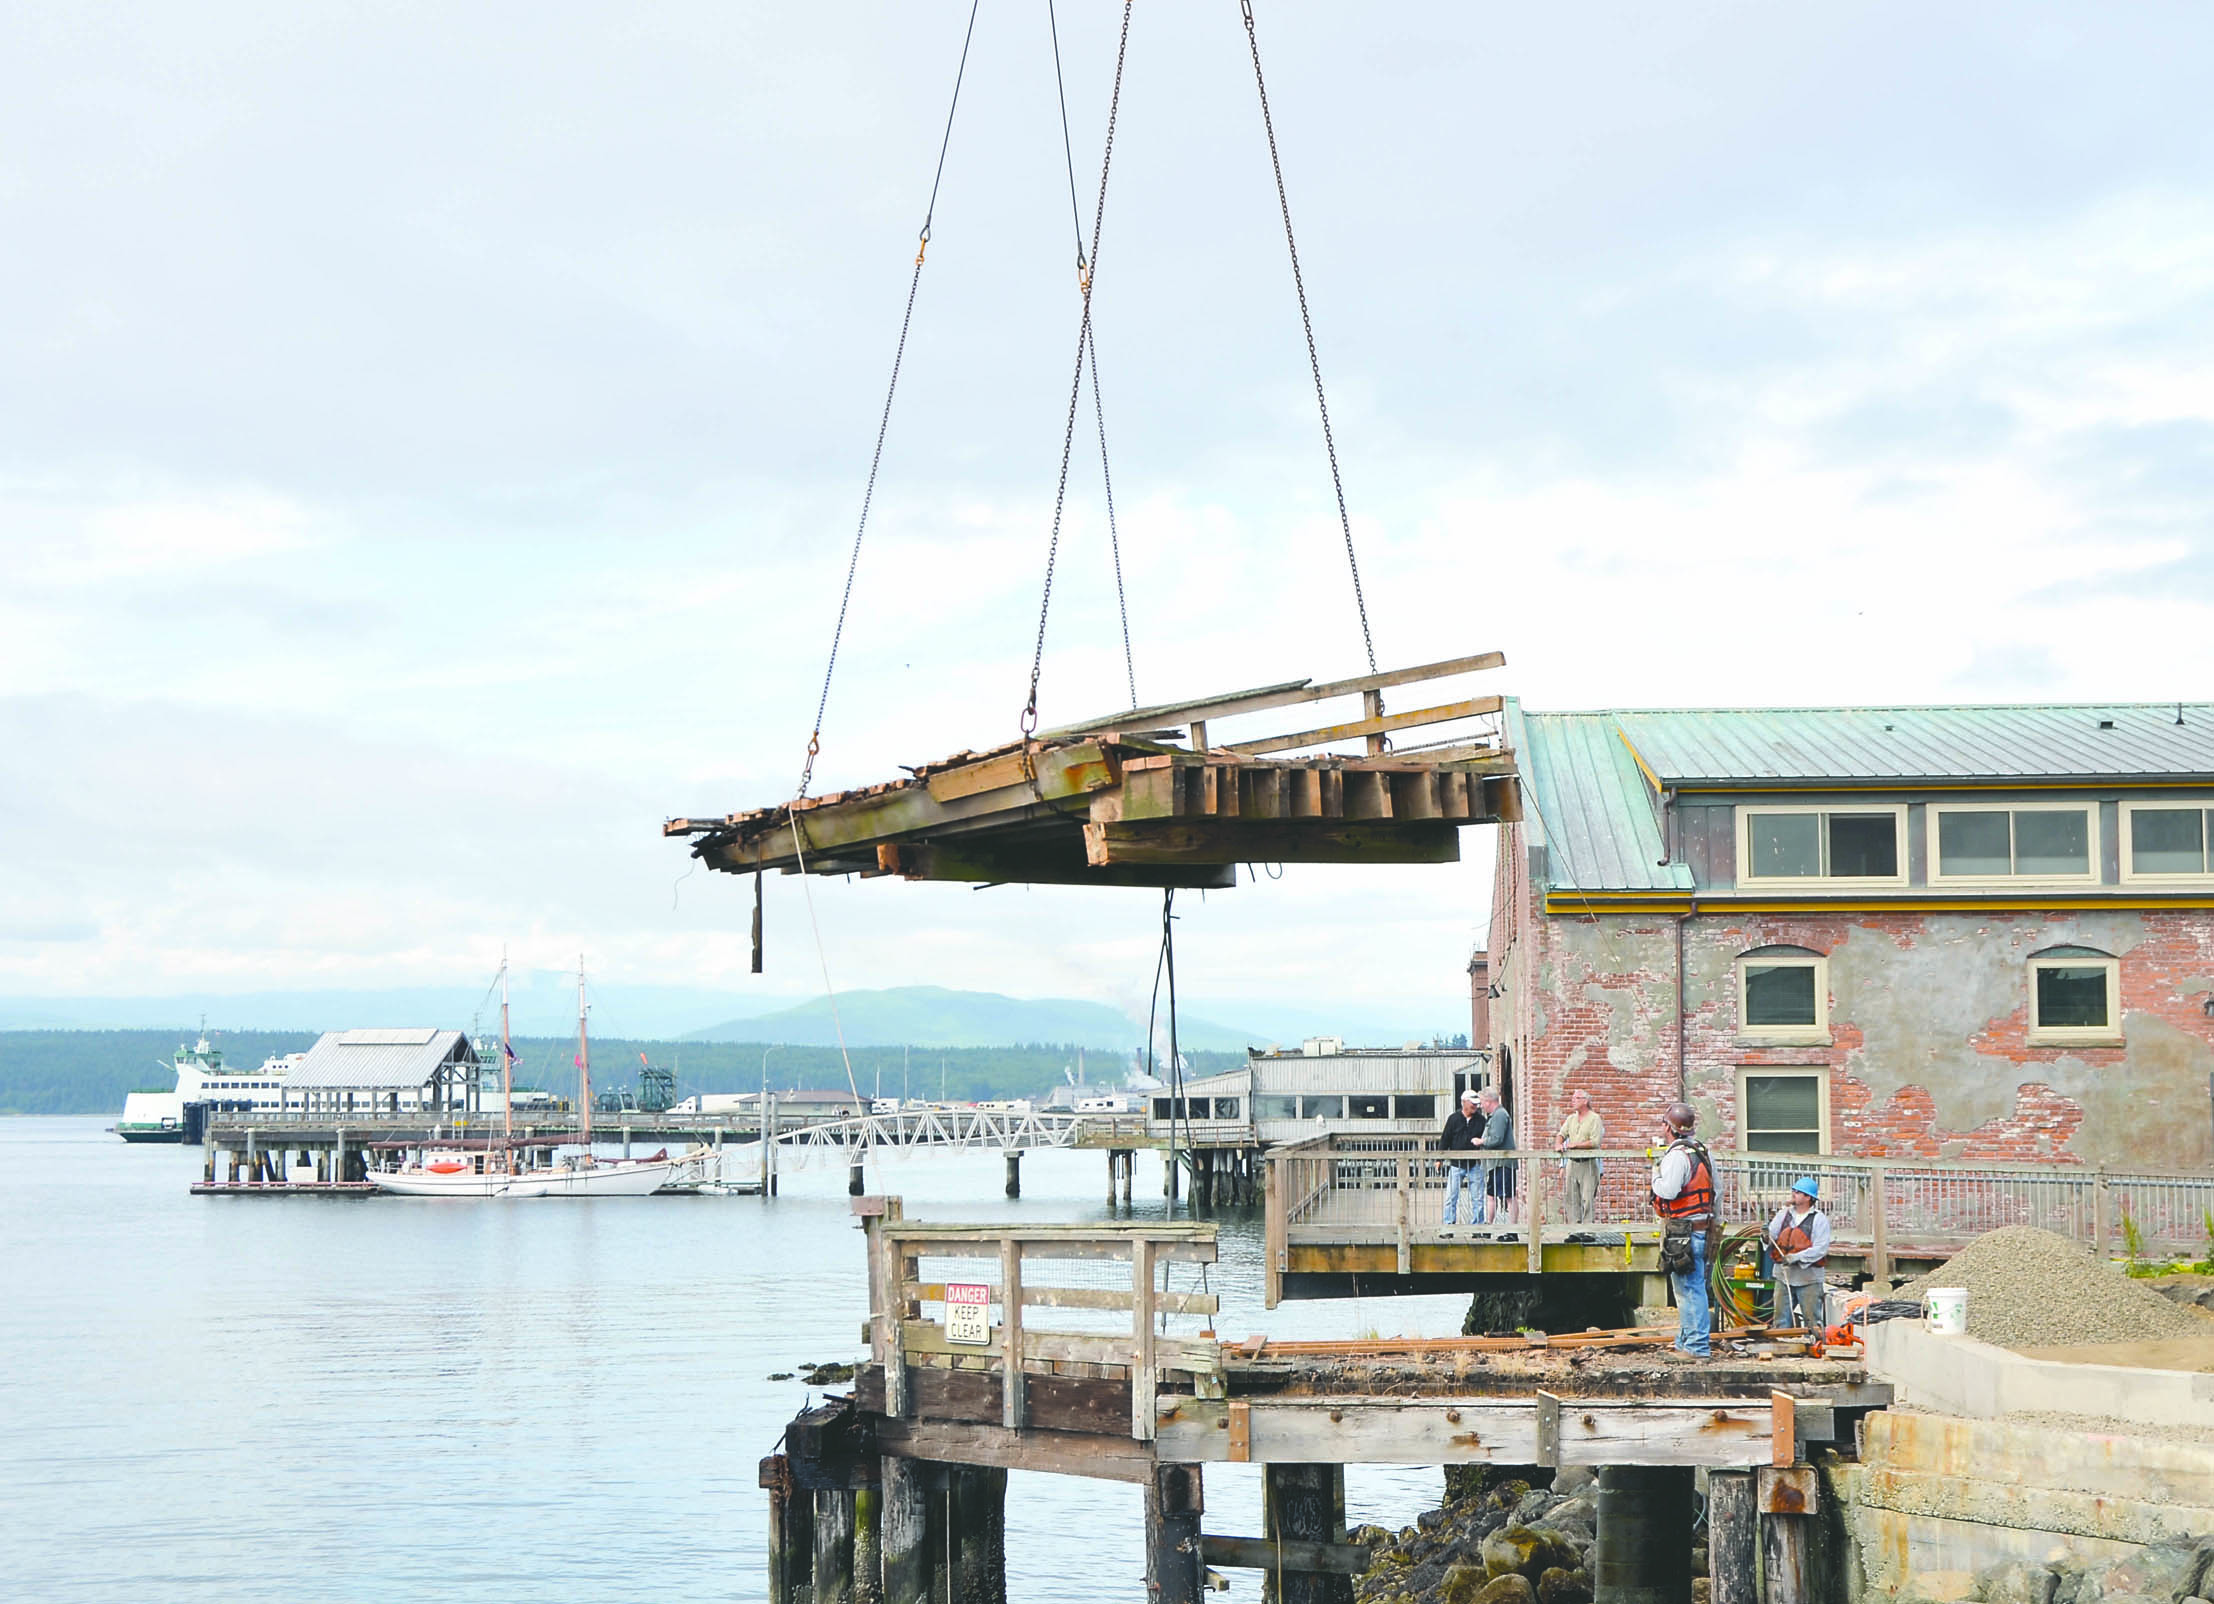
2075, 997
1783, 995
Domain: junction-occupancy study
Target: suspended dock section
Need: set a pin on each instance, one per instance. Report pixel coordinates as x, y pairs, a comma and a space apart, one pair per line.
1154, 797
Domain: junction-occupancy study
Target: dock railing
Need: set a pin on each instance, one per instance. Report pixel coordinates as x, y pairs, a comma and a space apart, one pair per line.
1370, 1189
1084, 1300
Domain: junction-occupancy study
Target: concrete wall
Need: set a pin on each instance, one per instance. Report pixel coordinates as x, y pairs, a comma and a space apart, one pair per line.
1927, 1051
1935, 1499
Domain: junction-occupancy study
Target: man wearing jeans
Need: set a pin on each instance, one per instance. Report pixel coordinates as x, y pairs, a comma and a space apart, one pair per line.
1683, 1196
1462, 1131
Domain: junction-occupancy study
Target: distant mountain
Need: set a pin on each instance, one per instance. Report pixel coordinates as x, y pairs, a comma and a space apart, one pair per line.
934, 1016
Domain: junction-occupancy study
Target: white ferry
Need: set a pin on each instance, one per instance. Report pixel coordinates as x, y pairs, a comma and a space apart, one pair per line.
202, 1077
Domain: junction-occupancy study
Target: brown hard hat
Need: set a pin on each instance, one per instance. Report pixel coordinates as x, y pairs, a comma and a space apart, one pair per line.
1680, 1116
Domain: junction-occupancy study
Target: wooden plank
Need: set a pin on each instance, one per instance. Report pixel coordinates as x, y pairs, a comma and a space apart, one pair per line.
1733, 1545
992, 774
1729, 1433
1548, 1431
1114, 1298
1329, 734
1181, 841
1288, 694
1286, 1555
1051, 1239
1065, 1453
1240, 1419
1784, 1439
1787, 1489
920, 1337
1057, 860
1144, 1378
1010, 1334
1367, 795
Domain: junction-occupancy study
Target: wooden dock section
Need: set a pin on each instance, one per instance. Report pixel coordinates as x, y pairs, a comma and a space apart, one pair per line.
1086, 1350
1153, 797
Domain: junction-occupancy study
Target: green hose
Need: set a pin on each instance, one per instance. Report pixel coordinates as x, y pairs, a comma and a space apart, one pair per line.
1731, 1298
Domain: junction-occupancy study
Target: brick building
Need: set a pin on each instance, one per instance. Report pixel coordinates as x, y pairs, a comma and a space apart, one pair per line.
1946, 932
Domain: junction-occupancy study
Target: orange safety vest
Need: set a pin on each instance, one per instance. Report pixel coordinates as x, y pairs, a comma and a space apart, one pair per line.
1696, 1200
1796, 1238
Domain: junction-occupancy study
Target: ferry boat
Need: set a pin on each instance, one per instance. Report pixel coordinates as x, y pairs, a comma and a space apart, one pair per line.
202, 1077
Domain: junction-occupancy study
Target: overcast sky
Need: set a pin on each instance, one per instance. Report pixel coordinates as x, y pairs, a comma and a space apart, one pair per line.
431, 437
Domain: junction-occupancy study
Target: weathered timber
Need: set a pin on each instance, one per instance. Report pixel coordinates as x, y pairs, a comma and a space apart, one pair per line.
1068, 1453
1473, 707
1787, 1496
1061, 1403
976, 1513
1291, 693
833, 1547
1054, 861
1643, 1552
1305, 1503
1733, 1538
908, 1567
1174, 1573
1726, 1433
1174, 841
791, 1533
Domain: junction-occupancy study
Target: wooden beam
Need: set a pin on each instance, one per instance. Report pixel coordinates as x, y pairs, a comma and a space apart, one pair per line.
1181, 841
1065, 1453
1731, 1433
1285, 1554
1087, 766
1058, 863
1473, 707
1288, 694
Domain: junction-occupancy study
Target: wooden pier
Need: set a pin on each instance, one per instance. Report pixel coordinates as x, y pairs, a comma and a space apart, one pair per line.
1087, 1350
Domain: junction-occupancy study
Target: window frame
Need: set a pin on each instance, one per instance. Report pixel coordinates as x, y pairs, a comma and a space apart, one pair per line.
2106, 1035
2095, 844
1755, 882
1816, 1034
1818, 1073
2131, 876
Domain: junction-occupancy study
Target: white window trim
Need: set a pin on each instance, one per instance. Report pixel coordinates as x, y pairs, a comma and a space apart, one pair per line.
2106, 1035
2130, 876
1818, 1073
2090, 877
1816, 1034
1779, 882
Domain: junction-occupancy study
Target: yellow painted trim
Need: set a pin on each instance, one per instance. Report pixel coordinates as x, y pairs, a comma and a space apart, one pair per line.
1643, 767
1571, 902
1790, 787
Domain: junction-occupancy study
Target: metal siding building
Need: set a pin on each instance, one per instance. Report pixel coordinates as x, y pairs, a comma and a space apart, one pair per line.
1288, 1097
386, 1070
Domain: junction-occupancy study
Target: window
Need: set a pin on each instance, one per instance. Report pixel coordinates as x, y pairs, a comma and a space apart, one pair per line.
1802, 845
1783, 995
1276, 1108
2161, 840
1370, 1107
1415, 1107
2000, 843
2075, 997
1332, 1107
1226, 1108
1783, 1111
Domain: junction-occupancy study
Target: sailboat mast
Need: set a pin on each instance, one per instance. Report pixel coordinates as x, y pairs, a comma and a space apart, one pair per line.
507, 1077
584, 1065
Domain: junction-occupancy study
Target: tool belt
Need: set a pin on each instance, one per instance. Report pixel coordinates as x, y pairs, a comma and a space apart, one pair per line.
1675, 1247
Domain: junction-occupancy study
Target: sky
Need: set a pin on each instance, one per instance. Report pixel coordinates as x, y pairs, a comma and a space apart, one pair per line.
432, 440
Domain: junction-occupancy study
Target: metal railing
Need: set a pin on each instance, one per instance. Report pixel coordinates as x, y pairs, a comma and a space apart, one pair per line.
1371, 1188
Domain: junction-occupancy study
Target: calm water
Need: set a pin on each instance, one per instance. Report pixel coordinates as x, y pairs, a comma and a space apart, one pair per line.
311, 1399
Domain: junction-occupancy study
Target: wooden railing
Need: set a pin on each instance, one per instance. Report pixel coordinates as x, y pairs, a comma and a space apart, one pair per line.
1068, 1275
1371, 1188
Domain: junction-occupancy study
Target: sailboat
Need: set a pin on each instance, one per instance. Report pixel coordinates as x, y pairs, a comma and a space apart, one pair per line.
488, 1171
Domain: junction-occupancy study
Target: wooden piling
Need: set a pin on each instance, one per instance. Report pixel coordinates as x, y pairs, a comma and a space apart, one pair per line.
977, 1534
1733, 1546
1643, 1551
856, 1181
1014, 1174
868, 1565
1174, 1501
833, 1568
908, 1559
1305, 1503
791, 1533
1786, 1496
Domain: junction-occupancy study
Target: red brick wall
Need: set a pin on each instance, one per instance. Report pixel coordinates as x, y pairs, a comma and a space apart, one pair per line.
1928, 1052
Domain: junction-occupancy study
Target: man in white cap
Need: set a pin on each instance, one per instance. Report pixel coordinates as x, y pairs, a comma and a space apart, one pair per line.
1799, 1245
1463, 1170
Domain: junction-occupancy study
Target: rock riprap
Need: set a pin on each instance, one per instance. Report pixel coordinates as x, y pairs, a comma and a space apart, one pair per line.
1511, 1544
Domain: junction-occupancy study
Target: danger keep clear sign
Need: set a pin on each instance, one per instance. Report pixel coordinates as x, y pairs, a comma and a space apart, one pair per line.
968, 1314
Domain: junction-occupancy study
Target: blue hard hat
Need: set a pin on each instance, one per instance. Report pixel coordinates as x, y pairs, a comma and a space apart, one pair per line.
1807, 1185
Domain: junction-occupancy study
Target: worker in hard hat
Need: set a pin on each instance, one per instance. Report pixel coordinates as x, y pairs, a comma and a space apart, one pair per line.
1799, 1245
1683, 1196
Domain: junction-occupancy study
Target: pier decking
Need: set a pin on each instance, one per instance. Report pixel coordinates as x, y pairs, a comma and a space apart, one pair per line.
1101, 1362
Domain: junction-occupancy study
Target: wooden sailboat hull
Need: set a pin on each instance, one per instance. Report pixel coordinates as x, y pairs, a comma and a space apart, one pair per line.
607, 1179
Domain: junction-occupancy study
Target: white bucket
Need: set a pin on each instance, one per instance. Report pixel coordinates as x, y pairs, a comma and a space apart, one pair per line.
1946, 1309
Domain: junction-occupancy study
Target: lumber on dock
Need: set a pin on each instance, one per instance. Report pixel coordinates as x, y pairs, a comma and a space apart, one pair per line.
1148, 797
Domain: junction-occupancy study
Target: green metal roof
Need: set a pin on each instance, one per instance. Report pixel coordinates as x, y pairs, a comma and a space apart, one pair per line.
1586, 803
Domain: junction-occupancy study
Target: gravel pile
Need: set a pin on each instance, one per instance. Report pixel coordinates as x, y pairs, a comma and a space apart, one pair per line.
2031, 1289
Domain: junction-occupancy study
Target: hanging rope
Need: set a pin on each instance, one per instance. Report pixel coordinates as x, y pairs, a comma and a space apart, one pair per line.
884, 423
1085, 277
1091, 355
1314, 361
